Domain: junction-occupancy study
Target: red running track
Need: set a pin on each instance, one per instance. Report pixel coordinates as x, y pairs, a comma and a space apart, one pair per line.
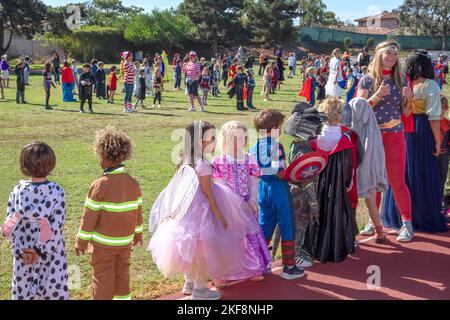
416, 270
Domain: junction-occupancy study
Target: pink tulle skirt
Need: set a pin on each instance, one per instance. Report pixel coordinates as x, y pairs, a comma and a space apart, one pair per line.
200, 239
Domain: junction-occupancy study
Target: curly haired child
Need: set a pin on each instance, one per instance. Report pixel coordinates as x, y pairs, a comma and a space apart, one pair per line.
112, 220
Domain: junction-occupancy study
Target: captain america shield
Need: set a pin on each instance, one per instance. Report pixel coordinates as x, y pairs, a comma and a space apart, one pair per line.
306, 167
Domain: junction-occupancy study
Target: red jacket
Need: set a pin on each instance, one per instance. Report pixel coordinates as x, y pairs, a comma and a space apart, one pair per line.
67, 75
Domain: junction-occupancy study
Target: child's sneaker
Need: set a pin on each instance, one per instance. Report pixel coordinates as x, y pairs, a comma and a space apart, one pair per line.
153, 106
303, 262
188, 288
191, 109
406, 232
159, 106
205, 294
369, 229
291, 273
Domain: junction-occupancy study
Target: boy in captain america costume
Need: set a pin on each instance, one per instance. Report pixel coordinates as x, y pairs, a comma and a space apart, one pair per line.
274, 197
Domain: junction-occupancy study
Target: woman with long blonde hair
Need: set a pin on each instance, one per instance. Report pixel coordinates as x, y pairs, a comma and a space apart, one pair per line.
390, 98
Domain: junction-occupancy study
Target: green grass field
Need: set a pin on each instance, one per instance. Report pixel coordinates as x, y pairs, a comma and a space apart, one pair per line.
71, 135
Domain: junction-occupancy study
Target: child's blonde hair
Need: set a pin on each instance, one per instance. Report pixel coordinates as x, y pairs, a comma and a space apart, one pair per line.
229, 130
333, 109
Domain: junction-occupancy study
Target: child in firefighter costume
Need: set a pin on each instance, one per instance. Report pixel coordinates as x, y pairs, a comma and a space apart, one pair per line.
112, 220
304, 125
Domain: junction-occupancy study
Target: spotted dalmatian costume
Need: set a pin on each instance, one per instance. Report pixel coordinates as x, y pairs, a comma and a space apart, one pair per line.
35, 219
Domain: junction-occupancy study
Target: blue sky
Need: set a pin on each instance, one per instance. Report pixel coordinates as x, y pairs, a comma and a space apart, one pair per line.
345, 10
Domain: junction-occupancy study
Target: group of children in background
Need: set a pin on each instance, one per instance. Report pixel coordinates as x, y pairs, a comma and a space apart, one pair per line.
315, 70
147, 79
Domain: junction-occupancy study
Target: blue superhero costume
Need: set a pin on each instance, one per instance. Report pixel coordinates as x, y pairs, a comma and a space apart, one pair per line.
274, 196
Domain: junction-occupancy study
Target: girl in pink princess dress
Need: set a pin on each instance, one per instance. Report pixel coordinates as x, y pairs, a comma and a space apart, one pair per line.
197, 225
240, 172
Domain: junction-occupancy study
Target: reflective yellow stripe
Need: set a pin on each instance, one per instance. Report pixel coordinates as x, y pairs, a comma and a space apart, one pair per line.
93, 205
83, 235
112, 241
139, 229
127, 297
113, 207
117, 171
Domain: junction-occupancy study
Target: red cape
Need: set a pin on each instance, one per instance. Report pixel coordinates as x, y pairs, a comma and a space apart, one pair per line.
306, 89
345, 144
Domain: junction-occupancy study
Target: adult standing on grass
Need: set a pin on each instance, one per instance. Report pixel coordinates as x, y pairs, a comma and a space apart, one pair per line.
291, 64
75, 73
295, 65
262, 67
333, 88
28, 62
240, 55
48, 84
445, 62
167, 75
56, 67
193, 74
20, 81
423, 147
2, 92
68, 83
4, 71
385, 88
128, 81
280, 65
